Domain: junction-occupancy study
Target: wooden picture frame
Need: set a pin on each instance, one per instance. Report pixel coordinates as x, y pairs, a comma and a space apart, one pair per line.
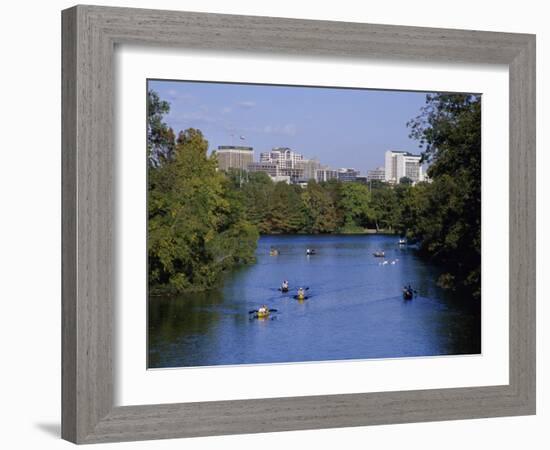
90, 34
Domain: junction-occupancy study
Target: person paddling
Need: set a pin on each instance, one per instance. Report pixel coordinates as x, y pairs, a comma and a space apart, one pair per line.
284, 286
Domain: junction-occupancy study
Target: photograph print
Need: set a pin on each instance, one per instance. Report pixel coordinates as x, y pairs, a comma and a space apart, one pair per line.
291, 224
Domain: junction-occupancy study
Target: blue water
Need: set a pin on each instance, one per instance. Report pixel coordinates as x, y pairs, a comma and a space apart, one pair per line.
355, 308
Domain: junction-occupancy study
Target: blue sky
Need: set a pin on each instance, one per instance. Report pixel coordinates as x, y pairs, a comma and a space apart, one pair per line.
340, 127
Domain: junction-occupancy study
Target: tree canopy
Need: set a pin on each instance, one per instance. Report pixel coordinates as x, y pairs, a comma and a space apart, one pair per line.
203, 221
445, 216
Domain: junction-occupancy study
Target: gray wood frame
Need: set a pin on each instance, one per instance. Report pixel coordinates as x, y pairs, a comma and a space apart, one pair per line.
90, 34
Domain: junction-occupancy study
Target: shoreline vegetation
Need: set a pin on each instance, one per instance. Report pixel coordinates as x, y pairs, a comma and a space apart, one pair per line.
203, 222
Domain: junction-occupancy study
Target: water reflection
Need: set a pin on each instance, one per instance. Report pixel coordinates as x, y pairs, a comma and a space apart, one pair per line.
355, 309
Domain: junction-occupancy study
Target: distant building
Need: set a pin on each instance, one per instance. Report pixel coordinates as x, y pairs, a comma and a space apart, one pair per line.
347, 175
295, 174
281, 179
402, 164
234, 157
310, 167
284, 157
271, 169
326, 174
377, 174
288, 175
361, 179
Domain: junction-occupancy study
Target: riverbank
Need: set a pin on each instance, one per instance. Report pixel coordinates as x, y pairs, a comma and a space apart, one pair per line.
341, 232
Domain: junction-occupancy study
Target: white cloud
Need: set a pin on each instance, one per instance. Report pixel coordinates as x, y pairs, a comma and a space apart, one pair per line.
179, 96
247, 104
288, 129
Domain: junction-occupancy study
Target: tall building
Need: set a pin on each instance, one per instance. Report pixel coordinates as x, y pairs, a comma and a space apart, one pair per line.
284, 157
326, 174
310, 167
377, 174
295, 174
402, 164
234, 157
347, 175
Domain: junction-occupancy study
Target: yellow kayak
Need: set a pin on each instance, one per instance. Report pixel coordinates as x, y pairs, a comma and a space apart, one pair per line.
263, 312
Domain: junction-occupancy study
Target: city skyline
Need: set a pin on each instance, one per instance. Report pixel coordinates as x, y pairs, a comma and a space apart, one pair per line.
355, 130
284, 164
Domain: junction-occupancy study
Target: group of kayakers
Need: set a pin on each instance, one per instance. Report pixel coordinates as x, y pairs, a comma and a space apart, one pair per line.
264, 311
300, 293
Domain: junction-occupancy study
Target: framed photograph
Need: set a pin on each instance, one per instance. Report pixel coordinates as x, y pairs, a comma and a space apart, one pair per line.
278, 224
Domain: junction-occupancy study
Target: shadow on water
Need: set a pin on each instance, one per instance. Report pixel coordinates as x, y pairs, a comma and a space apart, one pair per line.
355, 308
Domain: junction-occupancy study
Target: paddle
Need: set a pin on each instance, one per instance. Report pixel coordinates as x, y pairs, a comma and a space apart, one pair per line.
255, 311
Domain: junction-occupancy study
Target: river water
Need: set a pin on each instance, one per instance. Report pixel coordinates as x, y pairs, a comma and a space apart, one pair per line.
355, 308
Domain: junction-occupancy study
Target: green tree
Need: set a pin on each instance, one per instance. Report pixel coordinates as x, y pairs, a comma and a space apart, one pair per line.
285, 209
385, 209
160, 138
196, 226
448, 220
257, 193
355, 204
319, 210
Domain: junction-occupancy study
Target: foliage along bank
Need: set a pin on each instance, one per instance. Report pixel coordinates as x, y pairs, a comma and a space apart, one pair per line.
196, 224
203, 222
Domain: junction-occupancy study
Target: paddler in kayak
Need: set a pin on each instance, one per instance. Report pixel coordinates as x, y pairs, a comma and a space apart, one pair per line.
301, 294
263, 311
284, 286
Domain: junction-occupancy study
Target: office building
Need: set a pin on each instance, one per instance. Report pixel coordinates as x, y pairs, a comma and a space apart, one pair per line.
402, 164
310, 167
326, 174
271, 169
284, 157
377, 174
234, 157
346, 175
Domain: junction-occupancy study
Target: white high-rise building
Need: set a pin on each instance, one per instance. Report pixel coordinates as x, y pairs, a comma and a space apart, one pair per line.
326, 174
402, 164
378, 174
284, 157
